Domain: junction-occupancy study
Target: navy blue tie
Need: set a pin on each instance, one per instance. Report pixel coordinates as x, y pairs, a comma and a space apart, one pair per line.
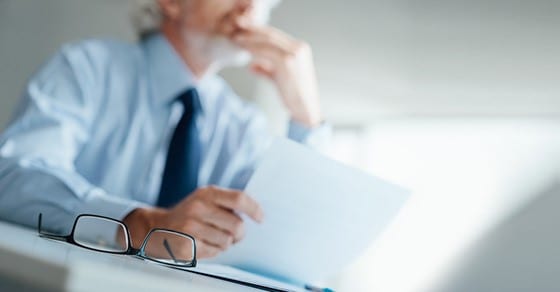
180, 176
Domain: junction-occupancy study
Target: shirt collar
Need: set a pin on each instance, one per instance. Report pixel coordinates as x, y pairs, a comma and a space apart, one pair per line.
169, 75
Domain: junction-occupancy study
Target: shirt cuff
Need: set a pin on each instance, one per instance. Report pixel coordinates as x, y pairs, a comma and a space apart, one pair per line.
98, 202
317, 138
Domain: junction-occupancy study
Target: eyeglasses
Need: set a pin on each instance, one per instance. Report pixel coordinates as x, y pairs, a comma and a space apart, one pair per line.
104, 234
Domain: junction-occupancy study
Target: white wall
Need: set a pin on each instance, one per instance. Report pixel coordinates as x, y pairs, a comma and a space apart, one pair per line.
519, 255
430, 57
32, 30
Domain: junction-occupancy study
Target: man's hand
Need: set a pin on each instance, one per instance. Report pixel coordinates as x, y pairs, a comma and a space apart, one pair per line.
209, 214
288, 63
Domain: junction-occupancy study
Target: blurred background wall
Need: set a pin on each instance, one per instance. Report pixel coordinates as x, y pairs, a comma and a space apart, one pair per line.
457, 100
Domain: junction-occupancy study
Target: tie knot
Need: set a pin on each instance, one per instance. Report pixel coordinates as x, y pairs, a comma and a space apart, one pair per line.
190, 100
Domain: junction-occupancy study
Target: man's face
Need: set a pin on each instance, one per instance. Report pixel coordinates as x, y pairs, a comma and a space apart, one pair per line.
216, 18
210, 24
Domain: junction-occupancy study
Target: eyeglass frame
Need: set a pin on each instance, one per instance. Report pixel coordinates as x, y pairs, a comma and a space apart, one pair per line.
139, 253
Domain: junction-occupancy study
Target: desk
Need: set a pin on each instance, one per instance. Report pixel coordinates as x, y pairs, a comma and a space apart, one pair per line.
31, 263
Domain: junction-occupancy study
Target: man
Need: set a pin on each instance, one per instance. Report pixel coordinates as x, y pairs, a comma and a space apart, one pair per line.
147, 133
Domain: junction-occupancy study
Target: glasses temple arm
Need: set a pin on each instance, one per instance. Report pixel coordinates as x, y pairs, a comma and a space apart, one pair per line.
168, 248
47, 234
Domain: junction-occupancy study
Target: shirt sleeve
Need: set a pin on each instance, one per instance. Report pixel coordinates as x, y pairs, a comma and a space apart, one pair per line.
39, 148
256, 139
317, 138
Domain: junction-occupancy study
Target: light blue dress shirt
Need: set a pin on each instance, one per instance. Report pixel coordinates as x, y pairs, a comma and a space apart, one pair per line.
93, 128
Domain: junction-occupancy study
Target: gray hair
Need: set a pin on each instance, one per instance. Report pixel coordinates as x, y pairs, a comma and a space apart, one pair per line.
146, 17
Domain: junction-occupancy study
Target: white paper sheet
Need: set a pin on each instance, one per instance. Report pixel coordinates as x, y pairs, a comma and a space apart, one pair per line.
319, 215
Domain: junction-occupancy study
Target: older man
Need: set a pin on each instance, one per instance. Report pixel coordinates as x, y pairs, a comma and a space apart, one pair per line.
148, 133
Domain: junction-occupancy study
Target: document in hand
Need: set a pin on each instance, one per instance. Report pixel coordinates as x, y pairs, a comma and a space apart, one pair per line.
319, 215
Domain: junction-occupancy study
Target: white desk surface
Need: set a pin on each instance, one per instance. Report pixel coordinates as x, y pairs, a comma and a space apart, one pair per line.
58, 266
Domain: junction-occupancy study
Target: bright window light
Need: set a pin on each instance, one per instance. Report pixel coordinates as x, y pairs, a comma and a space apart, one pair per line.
464, 175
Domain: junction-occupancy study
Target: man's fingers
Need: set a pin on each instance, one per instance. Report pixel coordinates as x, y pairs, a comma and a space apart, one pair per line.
270, 54
261, 43
266, 38
263, 68
268, 33
226, 220
210, 235
205, 250
239, 202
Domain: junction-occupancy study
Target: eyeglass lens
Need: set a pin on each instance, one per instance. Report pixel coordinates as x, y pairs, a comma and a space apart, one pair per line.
169, 247
101, 234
